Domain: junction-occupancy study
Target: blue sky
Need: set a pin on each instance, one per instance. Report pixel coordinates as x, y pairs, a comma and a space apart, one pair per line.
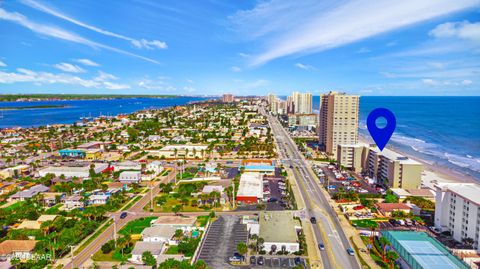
428, 47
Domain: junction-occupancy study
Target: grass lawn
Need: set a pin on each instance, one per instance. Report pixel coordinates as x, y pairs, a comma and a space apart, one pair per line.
112, 256
202, 220
365, 223
136, 226
16, 205
186, 175
54, 209
172, 250
90, 239
171, 202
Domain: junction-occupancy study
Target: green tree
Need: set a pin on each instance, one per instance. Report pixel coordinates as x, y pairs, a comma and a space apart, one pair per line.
392, 257
242, 248
148, 259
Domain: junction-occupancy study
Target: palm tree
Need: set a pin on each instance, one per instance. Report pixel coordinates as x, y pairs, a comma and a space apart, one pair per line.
392, 257
384, 242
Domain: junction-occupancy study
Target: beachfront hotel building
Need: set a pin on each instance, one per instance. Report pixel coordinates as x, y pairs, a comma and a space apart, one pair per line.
457, 210
393, 169
385, 167
338, 120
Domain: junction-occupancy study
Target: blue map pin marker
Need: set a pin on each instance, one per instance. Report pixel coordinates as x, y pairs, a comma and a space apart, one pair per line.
381, 136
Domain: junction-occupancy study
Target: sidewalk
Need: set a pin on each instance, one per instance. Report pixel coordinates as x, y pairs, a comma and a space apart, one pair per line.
312, 249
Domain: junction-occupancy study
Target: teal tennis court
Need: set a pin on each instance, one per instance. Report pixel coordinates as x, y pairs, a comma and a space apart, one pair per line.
421, 251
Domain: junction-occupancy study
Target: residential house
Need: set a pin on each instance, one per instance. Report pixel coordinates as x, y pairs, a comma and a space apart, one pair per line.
73, 201
130, 177
27, 194
155, 248
161, 233
21, 249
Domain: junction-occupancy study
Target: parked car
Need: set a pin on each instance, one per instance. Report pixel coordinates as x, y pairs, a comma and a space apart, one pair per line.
393, 222
321, 246
236, 258
253, 260
297, 260
408, 222
123, 215
313, 220
350, 251
260, 260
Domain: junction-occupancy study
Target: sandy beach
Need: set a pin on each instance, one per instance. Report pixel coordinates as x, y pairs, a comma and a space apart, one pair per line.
432, 174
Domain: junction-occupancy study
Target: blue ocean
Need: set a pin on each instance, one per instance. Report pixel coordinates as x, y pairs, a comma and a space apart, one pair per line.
443, 131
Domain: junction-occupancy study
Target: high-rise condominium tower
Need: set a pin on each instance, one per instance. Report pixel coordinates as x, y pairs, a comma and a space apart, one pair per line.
338, 122
302, 102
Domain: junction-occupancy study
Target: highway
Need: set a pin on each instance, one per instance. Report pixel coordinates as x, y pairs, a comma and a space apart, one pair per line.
316, 204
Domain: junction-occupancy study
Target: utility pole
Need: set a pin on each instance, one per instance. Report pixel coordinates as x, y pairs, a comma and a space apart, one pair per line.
151, 196
114, 231
233, 194
71, 256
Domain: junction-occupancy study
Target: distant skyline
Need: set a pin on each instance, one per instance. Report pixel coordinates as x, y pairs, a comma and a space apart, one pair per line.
429, 47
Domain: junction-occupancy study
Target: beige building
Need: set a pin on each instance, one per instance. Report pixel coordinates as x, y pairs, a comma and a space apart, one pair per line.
393, 169
387, 167
302, 119
338, 121
228, 98
352, 156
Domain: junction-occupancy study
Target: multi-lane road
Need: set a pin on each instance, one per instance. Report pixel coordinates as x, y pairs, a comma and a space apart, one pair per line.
331, 232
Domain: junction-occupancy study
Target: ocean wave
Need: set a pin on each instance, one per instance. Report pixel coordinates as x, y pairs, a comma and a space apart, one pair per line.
464, 161
421, 146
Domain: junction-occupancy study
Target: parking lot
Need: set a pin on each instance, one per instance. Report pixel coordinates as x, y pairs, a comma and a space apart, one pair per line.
274, 194
279, 262
221, 241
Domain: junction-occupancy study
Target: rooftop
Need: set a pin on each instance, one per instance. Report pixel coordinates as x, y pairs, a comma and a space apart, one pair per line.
394, 156
422, 251
251, 185
10, 246
278, 226
163, 231
468, 191
155, 248
387, 207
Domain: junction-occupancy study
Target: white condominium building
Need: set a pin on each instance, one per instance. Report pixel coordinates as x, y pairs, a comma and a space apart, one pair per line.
302, 103
352, 156
338, 122
457, 209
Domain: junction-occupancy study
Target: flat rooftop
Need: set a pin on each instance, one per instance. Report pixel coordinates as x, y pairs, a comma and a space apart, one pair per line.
395, 156
420, 250
278, 227
468, 191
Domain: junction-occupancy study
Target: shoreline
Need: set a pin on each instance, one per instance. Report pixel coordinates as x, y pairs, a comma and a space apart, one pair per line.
432, 174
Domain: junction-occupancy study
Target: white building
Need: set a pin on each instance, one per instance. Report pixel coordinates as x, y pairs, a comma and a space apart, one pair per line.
72, 171
72, 202
250, 189
155, 167
130, 177
183, 151
128, 165
98, 199
457, 209
155, 248
162, 234
279, 230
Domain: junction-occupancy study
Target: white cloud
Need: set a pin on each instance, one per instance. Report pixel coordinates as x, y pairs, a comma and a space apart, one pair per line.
41, 78
322, 25
87, 62
142, 43
189, 89
461, 30
467, 82
235, 69
430, 82
304, 66
71, 68
102, 76
60, 33
2, 64
145, 44
158, 85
